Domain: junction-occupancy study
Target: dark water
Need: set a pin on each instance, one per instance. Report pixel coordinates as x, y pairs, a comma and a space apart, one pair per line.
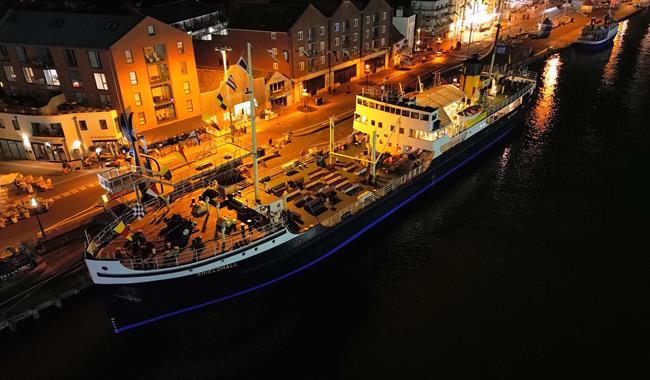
532, 263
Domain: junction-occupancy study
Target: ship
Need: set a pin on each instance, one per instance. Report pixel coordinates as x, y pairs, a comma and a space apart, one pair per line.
598, 35
208, 243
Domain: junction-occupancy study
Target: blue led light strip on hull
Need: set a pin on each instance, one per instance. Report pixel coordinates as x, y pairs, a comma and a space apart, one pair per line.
317, 260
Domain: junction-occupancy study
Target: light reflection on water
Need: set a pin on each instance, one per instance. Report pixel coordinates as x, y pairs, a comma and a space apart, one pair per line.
612, 64
545, 106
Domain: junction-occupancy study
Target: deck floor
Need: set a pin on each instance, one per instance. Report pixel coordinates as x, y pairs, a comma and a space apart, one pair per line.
344, 174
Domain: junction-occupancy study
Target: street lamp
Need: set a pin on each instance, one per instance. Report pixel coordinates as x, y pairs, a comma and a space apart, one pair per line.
305, 94
34, 204
367, 71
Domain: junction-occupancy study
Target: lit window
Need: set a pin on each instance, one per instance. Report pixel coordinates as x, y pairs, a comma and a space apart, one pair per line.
356, 36
301, 66
151, 30
300, 35
383, 28
181, 48
336, 27
51, 77
137, 98
367, 19
141, 118
188, 104
128, 56
274, 35
322, 59
322, 45
383, 41
322, 30
75, 78
276, 66
336, 41
356, 22
133, 78
383, 16
100, 81
186, 87
274, 51
10, 73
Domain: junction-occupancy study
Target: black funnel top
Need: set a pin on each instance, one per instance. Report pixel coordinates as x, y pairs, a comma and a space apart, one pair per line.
472, 66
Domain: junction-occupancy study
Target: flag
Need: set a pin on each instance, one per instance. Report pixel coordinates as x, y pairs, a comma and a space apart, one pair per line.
166, 173
153, 191
242, 63
194, 135
231, 83
120, 227
181, 151
221, 103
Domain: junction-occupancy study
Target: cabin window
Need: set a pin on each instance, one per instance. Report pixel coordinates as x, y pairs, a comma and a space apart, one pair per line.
380, 124
424, 117
392, 128
411, 133
380, 107
405, 113
415, 115
365, 103
372, 122
401, 131
358, 101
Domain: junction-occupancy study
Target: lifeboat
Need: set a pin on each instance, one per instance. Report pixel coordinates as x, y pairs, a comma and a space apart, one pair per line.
470, 113
395, 160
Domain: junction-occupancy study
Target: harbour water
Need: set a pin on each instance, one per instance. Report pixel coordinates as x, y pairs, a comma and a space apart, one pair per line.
529, 263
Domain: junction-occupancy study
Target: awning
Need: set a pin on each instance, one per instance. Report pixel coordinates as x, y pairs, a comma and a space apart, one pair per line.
172, 129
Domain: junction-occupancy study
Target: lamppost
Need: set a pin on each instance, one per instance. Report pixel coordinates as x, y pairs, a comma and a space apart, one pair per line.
439, 42
223, 51
367, 71
34, 204
305, 94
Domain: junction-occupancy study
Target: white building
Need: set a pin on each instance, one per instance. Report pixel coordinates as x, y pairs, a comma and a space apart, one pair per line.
406, 25
50, 134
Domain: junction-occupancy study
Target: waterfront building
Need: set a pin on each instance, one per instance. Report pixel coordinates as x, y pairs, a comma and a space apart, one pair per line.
405, 24
193, 17
302, 48
434, 18
104, 62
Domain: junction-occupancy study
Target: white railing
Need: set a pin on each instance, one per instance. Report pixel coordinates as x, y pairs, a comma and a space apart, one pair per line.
213, 248
375, 196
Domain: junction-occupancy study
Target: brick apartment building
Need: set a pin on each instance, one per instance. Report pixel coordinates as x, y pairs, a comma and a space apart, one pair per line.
68, 63
305, 47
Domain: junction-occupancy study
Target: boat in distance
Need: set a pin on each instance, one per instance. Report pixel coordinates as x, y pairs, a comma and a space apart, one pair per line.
597, 35
205, 244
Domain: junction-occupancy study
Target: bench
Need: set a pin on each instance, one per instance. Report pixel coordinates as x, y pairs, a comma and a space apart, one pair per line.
339, 183
350, 188
316, 173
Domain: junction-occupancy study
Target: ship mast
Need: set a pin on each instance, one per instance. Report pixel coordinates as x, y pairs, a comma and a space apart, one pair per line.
496, 38
251, 99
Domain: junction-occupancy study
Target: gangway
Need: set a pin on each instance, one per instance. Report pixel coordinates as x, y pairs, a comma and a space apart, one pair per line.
123, 179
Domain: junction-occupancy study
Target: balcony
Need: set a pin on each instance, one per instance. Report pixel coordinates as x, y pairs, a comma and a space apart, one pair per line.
157, 53
44, 130
158, 73
165, 113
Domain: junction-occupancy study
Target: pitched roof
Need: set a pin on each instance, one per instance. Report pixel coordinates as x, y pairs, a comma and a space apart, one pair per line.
177, 11
65, 29
268, 17
395, 35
